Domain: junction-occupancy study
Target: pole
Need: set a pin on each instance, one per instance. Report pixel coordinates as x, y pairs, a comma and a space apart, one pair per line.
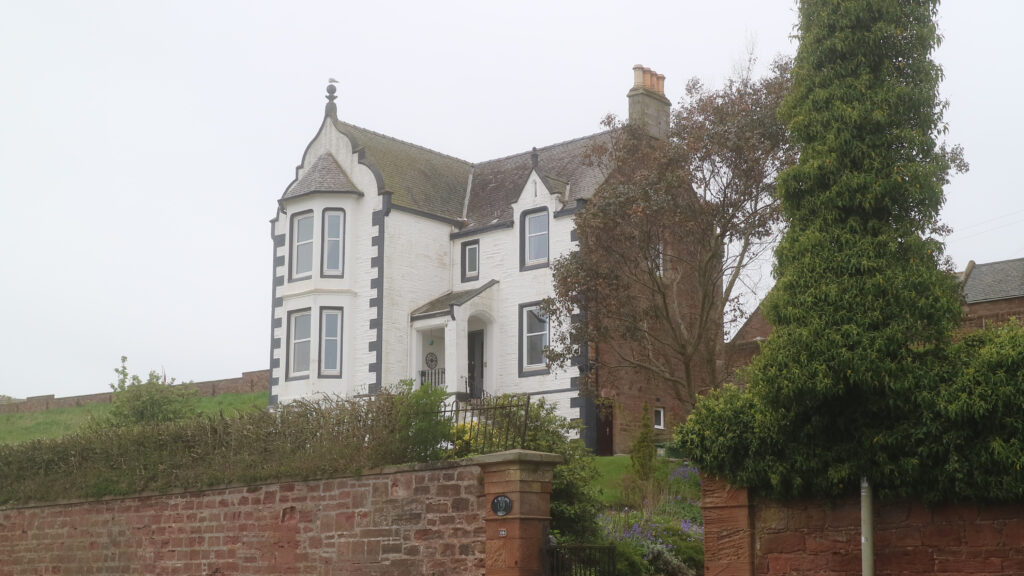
867, 530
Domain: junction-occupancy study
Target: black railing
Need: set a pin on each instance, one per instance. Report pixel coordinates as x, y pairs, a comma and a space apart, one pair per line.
581, 560
434, 377
488, 425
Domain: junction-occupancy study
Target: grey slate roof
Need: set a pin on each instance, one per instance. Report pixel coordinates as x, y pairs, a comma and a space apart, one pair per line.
443, 304
417, 177
432, 183
995, 281
325, 175
497, 183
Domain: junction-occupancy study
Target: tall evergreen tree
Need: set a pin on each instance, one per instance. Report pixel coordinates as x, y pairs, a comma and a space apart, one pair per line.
863, 299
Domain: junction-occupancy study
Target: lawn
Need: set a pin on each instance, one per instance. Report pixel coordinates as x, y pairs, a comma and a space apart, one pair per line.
61, 421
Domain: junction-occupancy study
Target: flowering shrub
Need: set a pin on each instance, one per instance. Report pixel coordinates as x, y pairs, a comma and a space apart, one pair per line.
666, 533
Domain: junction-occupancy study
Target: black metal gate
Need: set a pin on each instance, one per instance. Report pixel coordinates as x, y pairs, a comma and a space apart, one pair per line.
581, 560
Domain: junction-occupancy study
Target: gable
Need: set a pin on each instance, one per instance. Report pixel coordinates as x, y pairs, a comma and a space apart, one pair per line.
497, 184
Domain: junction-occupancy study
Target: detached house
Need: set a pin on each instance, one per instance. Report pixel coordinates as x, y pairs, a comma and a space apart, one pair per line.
393, 261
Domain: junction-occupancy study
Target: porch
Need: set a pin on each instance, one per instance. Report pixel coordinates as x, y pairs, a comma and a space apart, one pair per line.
453, 343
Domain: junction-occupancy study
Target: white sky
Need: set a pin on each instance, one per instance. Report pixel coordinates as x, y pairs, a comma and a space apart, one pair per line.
143, 145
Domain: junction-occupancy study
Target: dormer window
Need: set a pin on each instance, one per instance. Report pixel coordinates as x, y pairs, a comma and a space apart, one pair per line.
302, 245
533, 245
470, 260
333, 243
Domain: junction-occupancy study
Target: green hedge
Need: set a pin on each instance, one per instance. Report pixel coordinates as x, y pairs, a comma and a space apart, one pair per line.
960, 435
302, 440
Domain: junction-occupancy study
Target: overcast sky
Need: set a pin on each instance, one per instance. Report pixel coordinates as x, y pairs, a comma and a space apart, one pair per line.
143, 145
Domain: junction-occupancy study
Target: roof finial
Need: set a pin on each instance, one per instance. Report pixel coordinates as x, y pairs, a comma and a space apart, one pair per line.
534, 156
331, 109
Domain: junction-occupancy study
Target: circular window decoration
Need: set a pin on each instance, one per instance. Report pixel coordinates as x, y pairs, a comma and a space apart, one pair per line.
431, 360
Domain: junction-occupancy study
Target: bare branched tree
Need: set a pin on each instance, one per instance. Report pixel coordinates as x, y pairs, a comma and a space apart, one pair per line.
669, 238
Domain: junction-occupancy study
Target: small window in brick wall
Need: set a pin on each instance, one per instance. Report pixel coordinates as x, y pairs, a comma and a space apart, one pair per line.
659, 418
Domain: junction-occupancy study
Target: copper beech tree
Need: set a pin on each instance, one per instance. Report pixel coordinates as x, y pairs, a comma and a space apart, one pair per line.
668, 240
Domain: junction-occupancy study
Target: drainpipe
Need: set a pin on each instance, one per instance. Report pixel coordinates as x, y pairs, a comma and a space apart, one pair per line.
867, 530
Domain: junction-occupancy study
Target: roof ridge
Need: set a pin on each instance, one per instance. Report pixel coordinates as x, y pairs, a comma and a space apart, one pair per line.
569, 141
976, 264
399, 140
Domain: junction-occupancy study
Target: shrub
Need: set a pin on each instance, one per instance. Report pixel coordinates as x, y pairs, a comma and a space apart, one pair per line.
150, 401
666, 533
960, 435
302, 440
643, 452
574, 498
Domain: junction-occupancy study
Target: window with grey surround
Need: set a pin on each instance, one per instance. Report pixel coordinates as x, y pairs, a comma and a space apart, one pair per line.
330, 342
537, 238
299, 336
333, 249
470, 260
534, 337
659, 418
533, 239
302, 245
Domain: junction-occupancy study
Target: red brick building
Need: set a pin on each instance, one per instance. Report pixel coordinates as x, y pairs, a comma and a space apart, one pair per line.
993, 293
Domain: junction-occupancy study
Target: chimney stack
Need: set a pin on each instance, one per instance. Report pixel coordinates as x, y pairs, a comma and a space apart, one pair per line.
648, 105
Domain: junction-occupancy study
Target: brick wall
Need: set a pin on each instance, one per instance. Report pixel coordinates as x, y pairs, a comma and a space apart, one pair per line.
255, 381
978, 315
412, 520
745, 536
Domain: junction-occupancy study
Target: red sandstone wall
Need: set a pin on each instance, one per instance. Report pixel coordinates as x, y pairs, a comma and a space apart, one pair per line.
909, 539
256, 381
412, 522
767, 538
982, 314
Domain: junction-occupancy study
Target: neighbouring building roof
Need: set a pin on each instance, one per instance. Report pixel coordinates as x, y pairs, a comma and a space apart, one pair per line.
325, 175
417, 177
444, 303
994, 281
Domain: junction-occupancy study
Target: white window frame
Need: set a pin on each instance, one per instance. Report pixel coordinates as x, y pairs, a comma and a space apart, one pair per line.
294, 342
297, 274
472, 260
325, 268
659, 418
327, 341
526, 335
530, 234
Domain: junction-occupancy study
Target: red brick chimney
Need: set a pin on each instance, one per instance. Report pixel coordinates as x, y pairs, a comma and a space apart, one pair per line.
647, 102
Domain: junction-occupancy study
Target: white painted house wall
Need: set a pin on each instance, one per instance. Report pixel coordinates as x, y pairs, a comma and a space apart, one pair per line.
352, 292
421, 262
417, 259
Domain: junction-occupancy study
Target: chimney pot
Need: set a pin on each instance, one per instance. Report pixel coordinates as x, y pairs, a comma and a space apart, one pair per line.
638, 76
648, 105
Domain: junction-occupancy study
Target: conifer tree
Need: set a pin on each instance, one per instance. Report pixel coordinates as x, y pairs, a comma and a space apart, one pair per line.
864, 302
862, 297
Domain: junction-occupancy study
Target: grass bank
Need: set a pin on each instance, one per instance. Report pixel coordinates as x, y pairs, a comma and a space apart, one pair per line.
15, 428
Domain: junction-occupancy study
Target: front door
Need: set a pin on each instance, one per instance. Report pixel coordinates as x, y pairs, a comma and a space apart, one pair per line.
476, 364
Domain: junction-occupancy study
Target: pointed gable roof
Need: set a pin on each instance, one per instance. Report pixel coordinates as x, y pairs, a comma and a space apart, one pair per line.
995, 281
325, 175
446, 302
497, 183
